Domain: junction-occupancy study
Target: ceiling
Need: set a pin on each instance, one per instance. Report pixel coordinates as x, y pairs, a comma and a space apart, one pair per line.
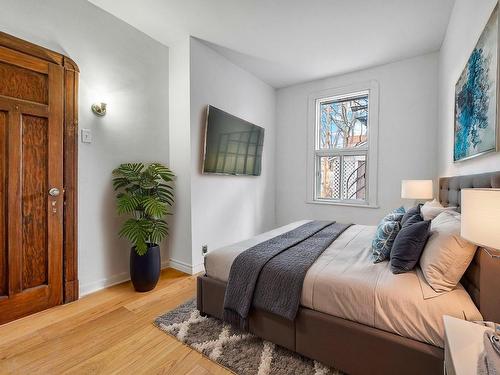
284, 42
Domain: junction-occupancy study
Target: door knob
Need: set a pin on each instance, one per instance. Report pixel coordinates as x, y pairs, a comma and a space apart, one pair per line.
54, 192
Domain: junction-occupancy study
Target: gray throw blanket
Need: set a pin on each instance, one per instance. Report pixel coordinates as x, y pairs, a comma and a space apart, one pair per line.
271, 274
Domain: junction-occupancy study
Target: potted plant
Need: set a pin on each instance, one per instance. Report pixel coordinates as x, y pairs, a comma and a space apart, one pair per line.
144, 192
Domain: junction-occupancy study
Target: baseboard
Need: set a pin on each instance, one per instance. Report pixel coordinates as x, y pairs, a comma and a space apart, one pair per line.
190, 269
197, 268
165, 263
94, 286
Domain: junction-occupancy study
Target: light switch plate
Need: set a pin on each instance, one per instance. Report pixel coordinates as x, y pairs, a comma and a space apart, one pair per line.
86, 136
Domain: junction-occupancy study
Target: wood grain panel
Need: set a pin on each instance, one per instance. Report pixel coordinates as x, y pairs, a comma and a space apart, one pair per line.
55, 167
34, 198
30, 49
23, 84
38, 151
4, 287
70, 185
14, 227
23, 60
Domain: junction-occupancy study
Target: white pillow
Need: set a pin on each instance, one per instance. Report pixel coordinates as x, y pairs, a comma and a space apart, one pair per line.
432, 209
446, 255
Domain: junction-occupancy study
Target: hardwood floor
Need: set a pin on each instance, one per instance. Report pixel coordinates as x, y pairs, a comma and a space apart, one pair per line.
107, 332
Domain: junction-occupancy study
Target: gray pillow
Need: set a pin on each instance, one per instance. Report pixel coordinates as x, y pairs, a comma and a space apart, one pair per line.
410, 213
416, 218
409, 244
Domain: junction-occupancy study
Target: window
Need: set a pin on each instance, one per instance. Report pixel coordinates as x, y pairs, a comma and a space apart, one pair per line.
343, 151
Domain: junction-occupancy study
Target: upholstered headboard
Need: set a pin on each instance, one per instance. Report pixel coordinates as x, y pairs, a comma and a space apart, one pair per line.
450, 187
482, 279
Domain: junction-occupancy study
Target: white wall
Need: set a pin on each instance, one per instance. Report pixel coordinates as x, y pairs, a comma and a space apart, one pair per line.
226, 209
467, 21
129, 71
180, 154
407, 138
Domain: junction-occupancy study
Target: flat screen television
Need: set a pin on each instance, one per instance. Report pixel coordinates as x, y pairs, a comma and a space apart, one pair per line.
232, 146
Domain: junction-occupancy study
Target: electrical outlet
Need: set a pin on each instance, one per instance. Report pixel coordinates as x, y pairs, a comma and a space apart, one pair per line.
204, 249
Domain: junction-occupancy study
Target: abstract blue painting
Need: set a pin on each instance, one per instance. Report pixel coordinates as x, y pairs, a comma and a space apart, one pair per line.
476, 97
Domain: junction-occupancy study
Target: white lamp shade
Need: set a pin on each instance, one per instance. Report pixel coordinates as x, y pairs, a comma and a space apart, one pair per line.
481, 217
416, 189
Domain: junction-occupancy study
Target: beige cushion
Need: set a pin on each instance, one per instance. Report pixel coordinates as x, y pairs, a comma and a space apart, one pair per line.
432, 209
446, 255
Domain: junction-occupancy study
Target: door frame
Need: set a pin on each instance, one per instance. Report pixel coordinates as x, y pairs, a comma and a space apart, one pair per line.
70, 156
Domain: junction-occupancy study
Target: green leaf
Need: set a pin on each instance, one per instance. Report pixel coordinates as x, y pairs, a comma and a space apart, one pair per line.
133, 189
165, 195
151, 172
120, 182
166, 186
131, 171
132, 168
127, 203
159, 231
137, 232
154, 207
141, 248
165, 173
148, 183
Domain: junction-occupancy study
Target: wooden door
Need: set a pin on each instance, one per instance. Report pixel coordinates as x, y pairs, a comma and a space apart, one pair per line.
31, 184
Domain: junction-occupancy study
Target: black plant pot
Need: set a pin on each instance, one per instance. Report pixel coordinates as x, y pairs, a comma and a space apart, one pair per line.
145, 269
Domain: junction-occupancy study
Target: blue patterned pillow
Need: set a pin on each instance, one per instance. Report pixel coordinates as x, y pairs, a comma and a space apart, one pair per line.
395, 215
385, 235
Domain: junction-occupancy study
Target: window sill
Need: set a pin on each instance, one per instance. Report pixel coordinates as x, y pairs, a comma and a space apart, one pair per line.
358, 205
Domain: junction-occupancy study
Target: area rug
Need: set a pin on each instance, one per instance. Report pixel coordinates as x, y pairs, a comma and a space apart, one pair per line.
240, 352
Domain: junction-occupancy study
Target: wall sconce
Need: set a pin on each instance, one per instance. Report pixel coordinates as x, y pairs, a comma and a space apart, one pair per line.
99, 109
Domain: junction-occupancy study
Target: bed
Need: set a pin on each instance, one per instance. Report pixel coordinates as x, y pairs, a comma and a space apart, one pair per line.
357, 316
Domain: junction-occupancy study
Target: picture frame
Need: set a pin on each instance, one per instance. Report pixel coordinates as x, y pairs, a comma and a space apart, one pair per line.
477, 92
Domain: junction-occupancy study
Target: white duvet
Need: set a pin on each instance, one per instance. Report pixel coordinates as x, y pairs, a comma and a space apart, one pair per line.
345, 282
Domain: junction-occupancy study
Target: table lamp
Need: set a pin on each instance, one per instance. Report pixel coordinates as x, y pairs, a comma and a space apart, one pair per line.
416, 190
481, 218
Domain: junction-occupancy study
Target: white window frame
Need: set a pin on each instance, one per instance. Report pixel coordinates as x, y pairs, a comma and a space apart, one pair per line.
313, 176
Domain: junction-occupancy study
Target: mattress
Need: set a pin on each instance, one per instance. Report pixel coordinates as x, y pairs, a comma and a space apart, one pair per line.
344, 282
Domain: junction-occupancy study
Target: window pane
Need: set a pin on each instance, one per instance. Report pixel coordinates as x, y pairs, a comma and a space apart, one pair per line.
342, 177
330, 177
354, 181
343, 123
